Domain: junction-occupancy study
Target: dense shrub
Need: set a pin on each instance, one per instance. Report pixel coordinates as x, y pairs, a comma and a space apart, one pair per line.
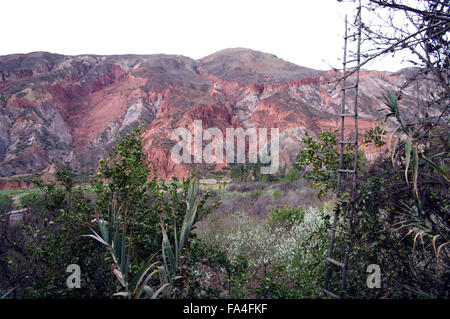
6, 203
286, 215
245, 187
276, 193
282, 262
405, 237
35, 253
319, 160
291, 176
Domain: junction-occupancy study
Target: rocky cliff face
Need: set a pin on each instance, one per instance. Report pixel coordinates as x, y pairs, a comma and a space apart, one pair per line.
67, 109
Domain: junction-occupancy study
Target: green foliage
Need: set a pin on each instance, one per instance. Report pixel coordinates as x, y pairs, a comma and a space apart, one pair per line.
286, 215
5, 200
279, 260
256, 192
250, 172
239, 276
392, 232
276, 193
400, 224
239, 172
122, 186
230, 276
319, 161
49, 239
6, 203
291, 176
374, 135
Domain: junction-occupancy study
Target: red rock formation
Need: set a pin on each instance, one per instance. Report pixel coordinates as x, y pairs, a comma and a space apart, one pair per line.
67, 109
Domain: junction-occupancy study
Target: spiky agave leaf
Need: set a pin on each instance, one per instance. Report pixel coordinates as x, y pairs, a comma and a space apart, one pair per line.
407, 158
164, 281
123, 259
139, 291
161, 289
392, 103
167, 251
112, 227
415, 169
135, 283
116, 243
393, 146
97, 237
103, 230
154, 294
175, 240
120, 277
191, 211
441, 171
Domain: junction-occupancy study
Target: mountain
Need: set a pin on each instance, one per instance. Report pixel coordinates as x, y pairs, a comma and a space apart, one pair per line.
67, 109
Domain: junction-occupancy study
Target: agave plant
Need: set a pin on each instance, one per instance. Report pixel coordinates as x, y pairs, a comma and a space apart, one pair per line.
115, 241
413, 147
173, 253
112, 235
411, 218
433, 244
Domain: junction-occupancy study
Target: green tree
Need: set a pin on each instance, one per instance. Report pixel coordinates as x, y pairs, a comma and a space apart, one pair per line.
319, 160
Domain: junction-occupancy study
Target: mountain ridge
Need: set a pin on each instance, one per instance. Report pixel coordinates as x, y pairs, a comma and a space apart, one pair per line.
67, 109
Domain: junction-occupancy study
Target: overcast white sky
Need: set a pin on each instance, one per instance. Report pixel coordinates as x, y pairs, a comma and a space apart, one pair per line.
305, 32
